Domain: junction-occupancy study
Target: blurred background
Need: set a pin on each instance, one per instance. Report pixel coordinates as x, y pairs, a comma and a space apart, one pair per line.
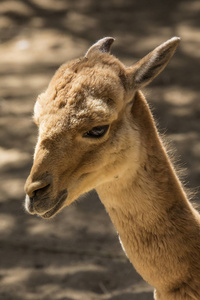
77, 255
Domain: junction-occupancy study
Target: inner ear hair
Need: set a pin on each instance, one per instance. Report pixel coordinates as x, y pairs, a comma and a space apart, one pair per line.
146, 69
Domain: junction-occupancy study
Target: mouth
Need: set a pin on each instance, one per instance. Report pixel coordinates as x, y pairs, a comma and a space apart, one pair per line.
58, 206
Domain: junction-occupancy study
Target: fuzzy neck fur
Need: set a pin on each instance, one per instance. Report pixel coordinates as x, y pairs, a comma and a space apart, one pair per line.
158, 227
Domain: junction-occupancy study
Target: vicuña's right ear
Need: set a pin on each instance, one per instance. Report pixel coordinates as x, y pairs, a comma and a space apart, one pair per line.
146, 69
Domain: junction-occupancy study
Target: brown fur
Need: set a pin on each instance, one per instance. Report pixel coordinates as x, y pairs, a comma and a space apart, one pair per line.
129, 167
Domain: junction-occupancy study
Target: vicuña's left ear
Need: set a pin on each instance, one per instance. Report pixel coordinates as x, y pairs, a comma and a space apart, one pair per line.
146, 69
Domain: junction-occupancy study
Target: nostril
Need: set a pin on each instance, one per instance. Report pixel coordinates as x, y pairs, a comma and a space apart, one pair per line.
41, 191
34, 198
37, 188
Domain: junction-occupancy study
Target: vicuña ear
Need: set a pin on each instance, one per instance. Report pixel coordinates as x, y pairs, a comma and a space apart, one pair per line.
146, 69
102, 46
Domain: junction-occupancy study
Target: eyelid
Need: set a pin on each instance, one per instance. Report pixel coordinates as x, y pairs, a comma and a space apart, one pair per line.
88, 135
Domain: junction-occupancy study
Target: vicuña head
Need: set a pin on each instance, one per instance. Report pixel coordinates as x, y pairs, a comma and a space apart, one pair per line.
86, 132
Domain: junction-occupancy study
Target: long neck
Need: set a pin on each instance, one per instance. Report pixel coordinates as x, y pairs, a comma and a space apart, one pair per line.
144, 204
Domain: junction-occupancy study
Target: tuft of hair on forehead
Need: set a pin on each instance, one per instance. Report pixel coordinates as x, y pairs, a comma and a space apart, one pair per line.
102, 66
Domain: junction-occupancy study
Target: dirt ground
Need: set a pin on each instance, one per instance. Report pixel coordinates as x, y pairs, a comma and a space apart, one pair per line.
77, 255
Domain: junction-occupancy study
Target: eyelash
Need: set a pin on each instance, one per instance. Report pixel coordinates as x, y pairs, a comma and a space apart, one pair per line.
96, 132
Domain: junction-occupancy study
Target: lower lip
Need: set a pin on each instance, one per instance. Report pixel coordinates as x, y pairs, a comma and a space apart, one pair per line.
56, 208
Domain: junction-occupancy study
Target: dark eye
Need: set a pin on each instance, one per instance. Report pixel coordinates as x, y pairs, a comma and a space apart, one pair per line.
96, 132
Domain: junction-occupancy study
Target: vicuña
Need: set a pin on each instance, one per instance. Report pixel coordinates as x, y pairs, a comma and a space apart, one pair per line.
96, 131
